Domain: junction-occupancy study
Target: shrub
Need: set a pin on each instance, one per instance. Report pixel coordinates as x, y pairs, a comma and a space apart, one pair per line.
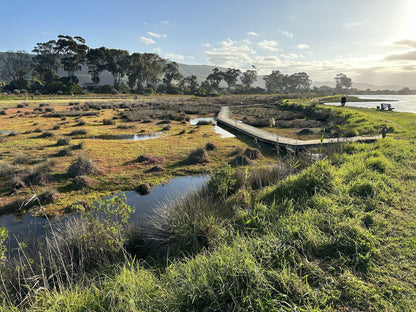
82, 166
205, 123
80, 123
63, 141
64, 152
47, 134
252, 154
56, 127
166, 128
3, 112
222, 181
107, 122
144, 188
84, 181
79, 132
240, 160
48, 197
210, 146
198, 156
157, 168
149, 159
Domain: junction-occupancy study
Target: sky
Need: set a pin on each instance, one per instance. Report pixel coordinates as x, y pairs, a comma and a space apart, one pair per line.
371, 41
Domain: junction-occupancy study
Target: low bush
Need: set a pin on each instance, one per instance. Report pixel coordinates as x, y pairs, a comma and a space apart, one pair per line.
252, 154
84, 181
78, 132
240, 160
210, 146
149, 159
63, 141
198, 156
144, 188
107, 122
82, 166
47, 134
156, 169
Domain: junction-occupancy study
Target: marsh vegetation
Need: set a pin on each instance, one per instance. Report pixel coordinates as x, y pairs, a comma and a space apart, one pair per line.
271, 230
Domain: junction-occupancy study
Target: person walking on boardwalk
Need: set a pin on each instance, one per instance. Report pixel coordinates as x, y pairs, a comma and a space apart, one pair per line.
343, 100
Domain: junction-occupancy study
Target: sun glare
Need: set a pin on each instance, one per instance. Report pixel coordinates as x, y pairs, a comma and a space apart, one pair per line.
409, 19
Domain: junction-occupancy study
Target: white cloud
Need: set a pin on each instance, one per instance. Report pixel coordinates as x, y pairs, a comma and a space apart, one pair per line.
173, 56
230, 54
352, 25
406, 42
228, 43
164, 22
152, 34
269, 45
286, 33
302, 46
252, 33
147, 41
208, 45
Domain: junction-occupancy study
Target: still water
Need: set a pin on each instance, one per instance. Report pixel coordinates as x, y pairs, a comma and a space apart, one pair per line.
222, 132
401, 103
31, 230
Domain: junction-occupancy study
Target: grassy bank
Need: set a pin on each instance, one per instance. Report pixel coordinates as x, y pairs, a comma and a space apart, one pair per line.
335, 235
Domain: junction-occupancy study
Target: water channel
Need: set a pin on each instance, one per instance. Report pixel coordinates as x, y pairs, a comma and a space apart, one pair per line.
32, 230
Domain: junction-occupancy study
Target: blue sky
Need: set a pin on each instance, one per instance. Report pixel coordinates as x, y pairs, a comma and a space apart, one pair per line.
371, 41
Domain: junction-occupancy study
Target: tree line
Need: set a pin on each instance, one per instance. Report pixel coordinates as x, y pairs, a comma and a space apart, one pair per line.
135, 73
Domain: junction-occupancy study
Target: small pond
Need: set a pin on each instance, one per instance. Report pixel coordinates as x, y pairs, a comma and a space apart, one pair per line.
130, 137
222, 132
31, 230
5, 131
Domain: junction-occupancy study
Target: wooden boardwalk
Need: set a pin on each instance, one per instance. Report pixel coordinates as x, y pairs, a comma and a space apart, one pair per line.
274, 139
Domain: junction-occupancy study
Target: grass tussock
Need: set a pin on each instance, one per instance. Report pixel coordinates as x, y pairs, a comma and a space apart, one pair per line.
82, 166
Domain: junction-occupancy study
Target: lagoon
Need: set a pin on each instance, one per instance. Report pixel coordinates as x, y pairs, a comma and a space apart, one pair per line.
401, 103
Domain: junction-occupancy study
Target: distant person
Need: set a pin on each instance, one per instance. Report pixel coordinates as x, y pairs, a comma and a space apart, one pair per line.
343, 100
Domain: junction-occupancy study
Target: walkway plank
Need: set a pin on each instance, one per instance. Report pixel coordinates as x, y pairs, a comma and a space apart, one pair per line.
271, 138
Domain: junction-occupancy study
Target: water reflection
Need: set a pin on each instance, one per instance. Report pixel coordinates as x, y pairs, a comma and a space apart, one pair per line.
130, 137
32, 230
222, 132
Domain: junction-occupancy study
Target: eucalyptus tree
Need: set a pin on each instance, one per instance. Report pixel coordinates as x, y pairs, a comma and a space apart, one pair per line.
275, 82
117, 63
248, 78
46, 61
72, 53
230, 77
342, 82
214, 79
298, 82
15, 68
153, 68
171, 72
191, 82
97, 62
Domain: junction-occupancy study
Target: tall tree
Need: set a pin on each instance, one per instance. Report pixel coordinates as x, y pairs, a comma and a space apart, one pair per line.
46, 60
342, 82
298, 82
191, 82
97, 62
15, 67
248, 78
171, 71
117, 63
72, 53
275, 82
153, 68
231, 76
214, 79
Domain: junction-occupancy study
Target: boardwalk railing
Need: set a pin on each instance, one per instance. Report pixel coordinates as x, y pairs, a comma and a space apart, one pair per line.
271, 138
